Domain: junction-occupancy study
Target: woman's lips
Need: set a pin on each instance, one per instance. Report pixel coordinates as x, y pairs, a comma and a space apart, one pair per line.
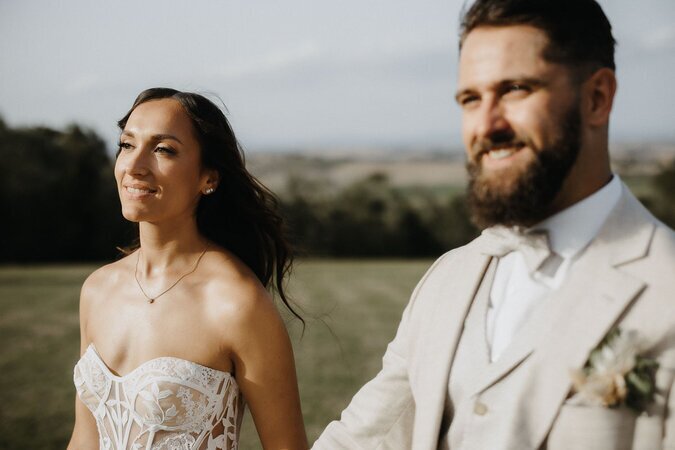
139, 192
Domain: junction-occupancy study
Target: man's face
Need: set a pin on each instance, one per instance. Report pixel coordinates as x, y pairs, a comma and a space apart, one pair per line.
521, 124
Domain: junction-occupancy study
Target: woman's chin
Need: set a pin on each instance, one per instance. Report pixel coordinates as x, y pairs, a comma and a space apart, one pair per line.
134, 215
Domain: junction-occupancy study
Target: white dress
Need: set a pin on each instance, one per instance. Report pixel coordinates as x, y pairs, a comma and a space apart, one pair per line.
164, 404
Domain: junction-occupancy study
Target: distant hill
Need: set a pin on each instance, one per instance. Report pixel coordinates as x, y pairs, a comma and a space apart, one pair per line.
408, 167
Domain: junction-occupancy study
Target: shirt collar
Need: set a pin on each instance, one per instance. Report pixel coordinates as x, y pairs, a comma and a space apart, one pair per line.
573, 228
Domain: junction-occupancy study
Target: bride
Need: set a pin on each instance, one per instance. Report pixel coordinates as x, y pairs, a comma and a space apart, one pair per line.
178, 333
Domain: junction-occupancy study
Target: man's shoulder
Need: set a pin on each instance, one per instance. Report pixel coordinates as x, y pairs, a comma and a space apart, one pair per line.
660, 257
456, 256
662, 239
452, 265
647, 246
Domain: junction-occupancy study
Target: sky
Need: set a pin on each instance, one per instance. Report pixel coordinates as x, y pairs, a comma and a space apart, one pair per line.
292, 74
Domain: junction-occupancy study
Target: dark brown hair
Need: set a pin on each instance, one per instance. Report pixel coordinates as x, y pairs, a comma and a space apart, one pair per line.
580, 35
241, 215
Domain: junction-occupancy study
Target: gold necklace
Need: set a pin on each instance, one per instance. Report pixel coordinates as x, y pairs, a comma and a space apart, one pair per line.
152, 299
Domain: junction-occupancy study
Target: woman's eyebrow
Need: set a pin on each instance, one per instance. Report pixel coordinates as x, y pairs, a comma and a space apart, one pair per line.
155, 137
163, 137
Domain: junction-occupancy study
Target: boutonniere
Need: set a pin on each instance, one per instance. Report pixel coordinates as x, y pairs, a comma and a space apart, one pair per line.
616, 374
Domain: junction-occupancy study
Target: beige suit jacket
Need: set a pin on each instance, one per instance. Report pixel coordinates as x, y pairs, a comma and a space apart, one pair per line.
625, 278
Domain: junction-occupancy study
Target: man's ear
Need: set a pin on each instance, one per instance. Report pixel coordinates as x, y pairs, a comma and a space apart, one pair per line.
599, 90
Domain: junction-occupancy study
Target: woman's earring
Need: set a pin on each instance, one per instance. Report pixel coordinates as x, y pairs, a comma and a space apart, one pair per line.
209, 190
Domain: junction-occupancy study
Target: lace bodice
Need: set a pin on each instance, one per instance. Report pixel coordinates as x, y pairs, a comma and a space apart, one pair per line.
164, 404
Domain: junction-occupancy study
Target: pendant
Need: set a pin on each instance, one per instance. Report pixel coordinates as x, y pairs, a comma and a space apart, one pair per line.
151, 300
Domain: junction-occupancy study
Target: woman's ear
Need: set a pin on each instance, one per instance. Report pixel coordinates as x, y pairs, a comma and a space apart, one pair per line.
211, 181
599, 92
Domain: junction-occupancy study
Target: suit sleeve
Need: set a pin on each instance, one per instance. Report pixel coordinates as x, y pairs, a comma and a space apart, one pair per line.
669, 420
380, 416
662, 252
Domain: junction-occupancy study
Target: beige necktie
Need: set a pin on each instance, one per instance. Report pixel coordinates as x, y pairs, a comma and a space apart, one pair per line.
533, 244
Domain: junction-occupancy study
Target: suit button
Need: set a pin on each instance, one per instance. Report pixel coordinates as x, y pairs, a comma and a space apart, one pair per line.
480, 408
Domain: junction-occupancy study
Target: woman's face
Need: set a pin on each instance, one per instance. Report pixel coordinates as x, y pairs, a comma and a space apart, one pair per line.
158, 170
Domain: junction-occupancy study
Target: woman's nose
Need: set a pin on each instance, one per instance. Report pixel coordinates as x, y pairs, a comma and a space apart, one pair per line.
135, 161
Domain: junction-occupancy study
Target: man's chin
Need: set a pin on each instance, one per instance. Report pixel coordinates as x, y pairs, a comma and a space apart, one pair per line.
500, 183
504, 199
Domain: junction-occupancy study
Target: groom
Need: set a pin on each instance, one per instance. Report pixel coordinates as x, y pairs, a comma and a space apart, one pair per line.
492, 351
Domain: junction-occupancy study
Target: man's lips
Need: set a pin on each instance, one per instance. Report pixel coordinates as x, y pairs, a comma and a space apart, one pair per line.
499, 152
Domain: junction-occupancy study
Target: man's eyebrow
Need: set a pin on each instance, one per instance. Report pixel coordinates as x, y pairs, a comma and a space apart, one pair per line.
155, 137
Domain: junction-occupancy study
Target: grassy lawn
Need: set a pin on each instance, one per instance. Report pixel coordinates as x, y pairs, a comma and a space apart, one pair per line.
352, 310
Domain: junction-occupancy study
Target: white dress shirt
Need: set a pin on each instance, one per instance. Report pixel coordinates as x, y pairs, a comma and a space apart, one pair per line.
515, 292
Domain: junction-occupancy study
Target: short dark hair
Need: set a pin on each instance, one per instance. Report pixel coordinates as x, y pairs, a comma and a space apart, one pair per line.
580, 35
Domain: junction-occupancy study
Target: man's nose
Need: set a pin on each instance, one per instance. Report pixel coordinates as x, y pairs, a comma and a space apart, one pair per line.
491, 120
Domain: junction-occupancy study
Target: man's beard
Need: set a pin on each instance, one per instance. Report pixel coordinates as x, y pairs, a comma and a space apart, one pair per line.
531, 195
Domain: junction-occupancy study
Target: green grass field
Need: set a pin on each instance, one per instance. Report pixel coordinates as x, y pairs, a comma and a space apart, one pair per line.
352, 310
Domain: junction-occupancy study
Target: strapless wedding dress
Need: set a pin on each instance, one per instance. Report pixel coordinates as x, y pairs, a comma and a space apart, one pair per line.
164, 404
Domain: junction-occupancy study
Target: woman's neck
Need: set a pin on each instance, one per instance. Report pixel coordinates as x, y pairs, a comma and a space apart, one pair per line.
168, 246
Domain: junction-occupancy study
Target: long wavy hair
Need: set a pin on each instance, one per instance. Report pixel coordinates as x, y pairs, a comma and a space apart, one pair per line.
242, 215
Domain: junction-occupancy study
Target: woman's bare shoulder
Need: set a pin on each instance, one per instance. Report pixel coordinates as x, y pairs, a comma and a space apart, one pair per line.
106, 277
235, 295
95, 290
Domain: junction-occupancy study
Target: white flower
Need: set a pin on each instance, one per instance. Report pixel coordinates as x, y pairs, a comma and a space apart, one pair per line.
618, 355
602, 382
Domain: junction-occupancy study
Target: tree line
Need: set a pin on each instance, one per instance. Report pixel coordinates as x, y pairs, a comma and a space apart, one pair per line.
58, 196
59, 203
372, 218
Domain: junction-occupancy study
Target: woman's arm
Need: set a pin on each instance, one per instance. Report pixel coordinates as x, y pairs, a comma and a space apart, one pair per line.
265, 371
85, 433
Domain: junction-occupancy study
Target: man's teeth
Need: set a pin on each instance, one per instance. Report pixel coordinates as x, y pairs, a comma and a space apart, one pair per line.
139, 191
501, 153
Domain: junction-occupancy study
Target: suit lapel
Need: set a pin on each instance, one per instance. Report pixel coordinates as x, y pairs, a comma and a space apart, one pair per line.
437, 349
595, 281
561, 337
519, 349
595, 296
600, 292
624, 237
596, 304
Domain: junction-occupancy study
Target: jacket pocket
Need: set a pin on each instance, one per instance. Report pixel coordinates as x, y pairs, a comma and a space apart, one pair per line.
592, 428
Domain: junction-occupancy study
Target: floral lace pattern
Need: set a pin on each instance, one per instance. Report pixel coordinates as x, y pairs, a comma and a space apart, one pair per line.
164, 404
